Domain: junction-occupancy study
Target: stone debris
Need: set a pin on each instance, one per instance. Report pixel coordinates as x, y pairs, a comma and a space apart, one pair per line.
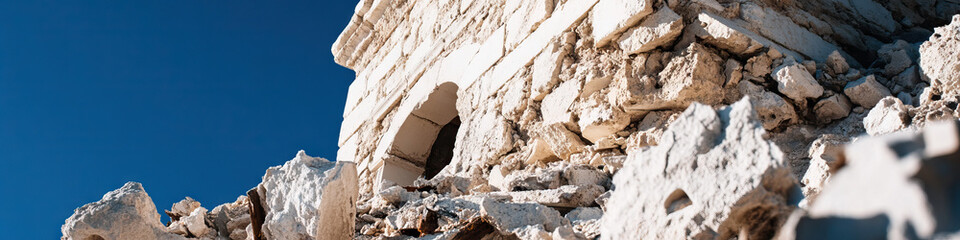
613, 119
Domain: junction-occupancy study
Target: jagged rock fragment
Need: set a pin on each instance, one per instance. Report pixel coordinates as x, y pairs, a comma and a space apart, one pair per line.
695, 75
796, 82
612, 17
125, 213
832, 108
713, 175
772, 110
866, 91
889, 115
938, 58
309, 198
654, 31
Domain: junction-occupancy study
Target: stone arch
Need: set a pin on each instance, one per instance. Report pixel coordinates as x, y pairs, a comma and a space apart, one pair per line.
420, 139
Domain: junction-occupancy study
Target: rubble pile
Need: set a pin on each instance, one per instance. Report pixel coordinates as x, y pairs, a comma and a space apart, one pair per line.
613, 119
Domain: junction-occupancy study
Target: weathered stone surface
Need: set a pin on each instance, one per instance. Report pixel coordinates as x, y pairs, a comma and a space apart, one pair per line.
866, 91
311, 198
713, 175
796, 82
654, 31
125, 213
555, 107
889, 115
612, 17
695, 75
938, 58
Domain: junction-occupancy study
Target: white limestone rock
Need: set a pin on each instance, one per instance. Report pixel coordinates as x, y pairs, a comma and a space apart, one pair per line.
866, 91
723, 33
773, 111
515, 217
938, 58
599, 119
125, 213
712, 176
696, 74
796, 82
612, 17
309, 198
654, 31
555, 107
889, 115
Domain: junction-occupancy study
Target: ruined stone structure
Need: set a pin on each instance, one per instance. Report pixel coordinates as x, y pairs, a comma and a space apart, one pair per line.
613, 119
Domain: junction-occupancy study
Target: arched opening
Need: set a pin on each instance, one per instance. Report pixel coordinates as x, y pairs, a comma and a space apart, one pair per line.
442, 151
422, 142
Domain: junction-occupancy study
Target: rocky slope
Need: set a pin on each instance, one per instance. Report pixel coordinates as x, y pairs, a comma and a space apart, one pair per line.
612, 119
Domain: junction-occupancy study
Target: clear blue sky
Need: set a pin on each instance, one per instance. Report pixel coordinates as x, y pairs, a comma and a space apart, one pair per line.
191, 98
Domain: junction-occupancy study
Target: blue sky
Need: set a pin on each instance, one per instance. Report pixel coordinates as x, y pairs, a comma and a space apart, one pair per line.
191, 98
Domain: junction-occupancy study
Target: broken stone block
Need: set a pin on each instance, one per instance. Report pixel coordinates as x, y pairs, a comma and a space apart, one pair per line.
837, 64
561, 141
546, 67
824, 153
938, 58
196, 222
888, 116
796, 82
773, 111
231, 219
733, 71
832, 108
759, 66
896, 186
309, 198
586, 221
585, 175
612, 17
511, 218
724, 34
125, 213
654, 31
555, 107
866, 91
713, 175
600, 119
695, 75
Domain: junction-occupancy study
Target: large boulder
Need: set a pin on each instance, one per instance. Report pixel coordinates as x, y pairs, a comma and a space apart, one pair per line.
713, 176
309, 198
125, 213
